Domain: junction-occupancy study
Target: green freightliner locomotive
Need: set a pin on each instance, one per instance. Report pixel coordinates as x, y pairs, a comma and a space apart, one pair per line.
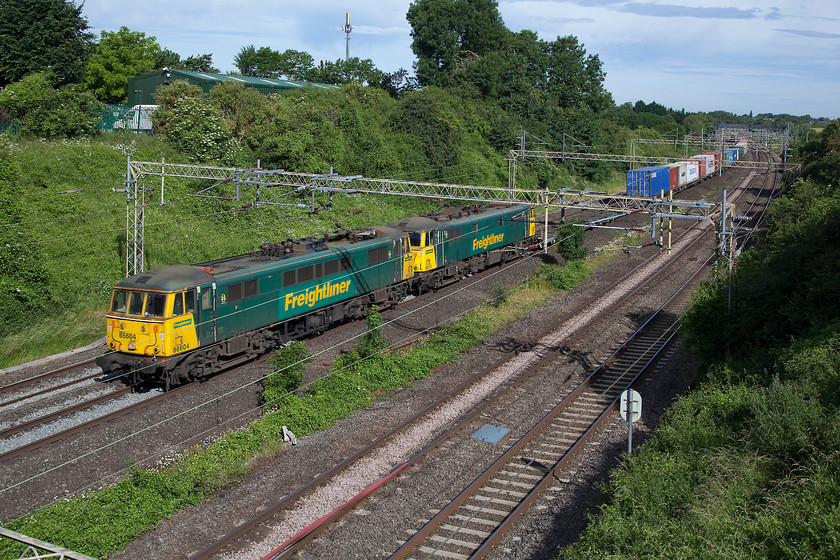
178, 323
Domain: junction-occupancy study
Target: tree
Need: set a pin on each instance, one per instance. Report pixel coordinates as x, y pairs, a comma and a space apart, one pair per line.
398, 83
268, 63
246, 60
199, 63
46, 112
242, 107
166, 58
575, 79
295, 64
165, 98
445, 32
40, 35
118, 56
345, 72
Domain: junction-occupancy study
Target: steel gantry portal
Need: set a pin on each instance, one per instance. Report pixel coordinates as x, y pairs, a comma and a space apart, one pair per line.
274, 187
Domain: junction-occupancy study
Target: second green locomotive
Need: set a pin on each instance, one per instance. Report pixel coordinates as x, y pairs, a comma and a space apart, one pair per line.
182, 322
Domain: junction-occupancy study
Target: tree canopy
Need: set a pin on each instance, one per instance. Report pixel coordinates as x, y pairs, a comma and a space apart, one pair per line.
118, 56
43, 35
447, 32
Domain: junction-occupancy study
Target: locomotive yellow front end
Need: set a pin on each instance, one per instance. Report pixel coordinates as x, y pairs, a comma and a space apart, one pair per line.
153, 321
151, 324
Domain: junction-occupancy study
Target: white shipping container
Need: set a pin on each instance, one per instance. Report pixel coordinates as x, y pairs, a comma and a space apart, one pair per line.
692, 171
710, 162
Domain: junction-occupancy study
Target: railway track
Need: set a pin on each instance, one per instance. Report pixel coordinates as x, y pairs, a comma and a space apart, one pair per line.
533, 352
471, 524
599, 399
22, 389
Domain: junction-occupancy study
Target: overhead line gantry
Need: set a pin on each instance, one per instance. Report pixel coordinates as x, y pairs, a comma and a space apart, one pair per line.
291, 183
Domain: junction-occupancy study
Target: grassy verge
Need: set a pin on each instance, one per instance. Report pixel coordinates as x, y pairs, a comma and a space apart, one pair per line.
735, 470
102, 522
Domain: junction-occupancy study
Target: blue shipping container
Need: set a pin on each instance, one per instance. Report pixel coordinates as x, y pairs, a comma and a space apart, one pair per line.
730, 154
648, 181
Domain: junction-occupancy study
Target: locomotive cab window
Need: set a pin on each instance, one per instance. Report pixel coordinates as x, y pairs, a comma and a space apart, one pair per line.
207, 299
135, 303
178, 305
189, 301
156, 305
416, 238
119, 301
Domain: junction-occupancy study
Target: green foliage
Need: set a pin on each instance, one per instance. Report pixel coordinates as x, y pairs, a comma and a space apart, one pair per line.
198, 63
374, 340
198, 130
288, 364
822, 156
24, 285
40, 110
428, 120
570, 238
446, 32
43, 36
267, 63
780, 288
242, 107
565, 277
118, 56
746, 466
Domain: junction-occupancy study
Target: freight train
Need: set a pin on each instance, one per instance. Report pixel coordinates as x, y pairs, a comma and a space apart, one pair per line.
183, 322
658, 180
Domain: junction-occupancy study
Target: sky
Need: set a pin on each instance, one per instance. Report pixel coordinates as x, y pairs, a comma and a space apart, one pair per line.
697, 55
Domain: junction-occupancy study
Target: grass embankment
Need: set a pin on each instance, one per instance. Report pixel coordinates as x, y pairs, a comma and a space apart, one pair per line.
104, 521
63, 232
748, 464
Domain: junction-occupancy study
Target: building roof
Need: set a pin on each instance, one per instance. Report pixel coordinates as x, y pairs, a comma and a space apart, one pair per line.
244, 80
141, 88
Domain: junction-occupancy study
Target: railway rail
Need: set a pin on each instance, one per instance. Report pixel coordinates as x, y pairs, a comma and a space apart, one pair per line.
606, 397
42, 444
483, 512
533, 351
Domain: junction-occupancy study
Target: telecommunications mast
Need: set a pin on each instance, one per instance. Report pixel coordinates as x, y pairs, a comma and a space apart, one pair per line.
347, 29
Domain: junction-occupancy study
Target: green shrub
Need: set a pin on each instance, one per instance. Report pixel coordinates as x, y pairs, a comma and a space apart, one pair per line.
570, 240
43, 111
565, 277
288, 363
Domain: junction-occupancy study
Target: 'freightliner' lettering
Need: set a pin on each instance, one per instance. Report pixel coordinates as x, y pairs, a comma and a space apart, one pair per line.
485, 242
315, 294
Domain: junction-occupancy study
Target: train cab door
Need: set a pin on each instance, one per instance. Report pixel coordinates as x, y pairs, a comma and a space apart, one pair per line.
207, 314
407, 258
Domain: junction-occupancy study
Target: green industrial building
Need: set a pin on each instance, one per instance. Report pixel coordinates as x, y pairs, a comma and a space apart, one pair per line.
141, 88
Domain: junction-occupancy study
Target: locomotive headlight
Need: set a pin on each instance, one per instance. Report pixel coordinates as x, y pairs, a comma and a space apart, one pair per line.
131, 346
142, 328
122, 326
